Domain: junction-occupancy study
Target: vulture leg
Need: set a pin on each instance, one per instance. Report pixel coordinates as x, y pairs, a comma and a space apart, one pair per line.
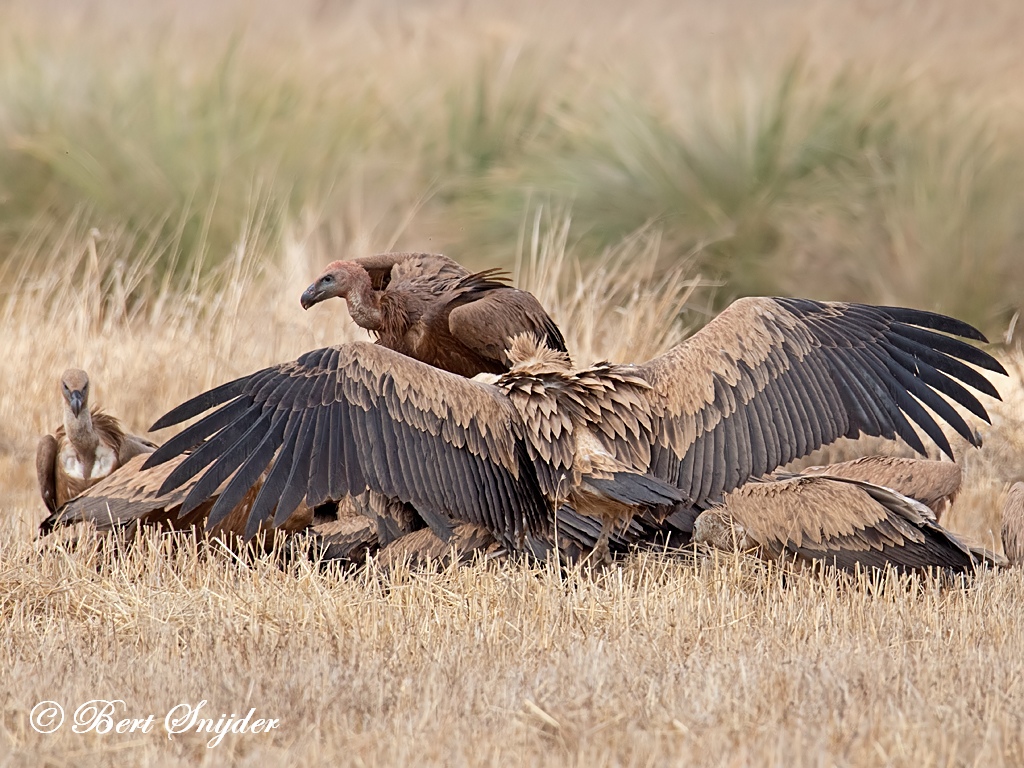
601, 553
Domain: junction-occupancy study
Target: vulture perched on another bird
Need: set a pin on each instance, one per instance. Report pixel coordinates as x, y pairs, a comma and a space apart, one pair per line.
502, 455
839, 521
767, 381
431, 308
1013, 524
87, 447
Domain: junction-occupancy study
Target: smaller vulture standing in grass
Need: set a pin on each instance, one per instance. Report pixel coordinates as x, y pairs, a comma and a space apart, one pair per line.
87, 447
933, 483
1013, 524
431, 308
767, 381
838, 521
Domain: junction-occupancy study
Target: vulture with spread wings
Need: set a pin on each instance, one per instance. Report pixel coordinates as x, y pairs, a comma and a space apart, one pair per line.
767, 381
502, 453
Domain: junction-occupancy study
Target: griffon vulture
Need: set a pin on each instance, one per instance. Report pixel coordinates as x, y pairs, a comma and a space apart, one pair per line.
424, 305
87, 447
767, 381
839, 521
1013, 524
430, 308
933, 483
503, 455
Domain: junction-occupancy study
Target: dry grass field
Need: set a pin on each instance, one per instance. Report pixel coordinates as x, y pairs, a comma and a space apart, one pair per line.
166, 261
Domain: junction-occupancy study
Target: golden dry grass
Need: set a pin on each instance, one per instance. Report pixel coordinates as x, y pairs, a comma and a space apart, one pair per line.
657, 662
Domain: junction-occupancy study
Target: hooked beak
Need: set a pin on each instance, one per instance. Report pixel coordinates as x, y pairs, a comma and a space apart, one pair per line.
76, 399
311, 296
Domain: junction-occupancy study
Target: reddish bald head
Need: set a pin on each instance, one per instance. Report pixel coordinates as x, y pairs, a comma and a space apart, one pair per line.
339, 279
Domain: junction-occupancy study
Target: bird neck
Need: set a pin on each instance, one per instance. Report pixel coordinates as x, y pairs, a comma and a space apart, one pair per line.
364, 303
80, 431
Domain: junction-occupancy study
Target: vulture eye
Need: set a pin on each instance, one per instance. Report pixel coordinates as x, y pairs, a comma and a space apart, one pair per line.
327, 279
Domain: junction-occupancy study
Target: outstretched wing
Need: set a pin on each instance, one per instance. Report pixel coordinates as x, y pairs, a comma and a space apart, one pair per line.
770, 380
846, 523
122, 497
345, 419
132, 495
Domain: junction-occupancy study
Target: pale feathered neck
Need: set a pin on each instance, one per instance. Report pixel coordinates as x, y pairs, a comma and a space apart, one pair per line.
364, 304
80, 432
528, 354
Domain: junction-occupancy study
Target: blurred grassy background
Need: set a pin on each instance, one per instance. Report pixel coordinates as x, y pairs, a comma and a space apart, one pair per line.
869, 151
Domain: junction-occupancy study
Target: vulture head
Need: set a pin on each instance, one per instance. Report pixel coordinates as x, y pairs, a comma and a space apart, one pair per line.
74, 388
715, 528
339, 278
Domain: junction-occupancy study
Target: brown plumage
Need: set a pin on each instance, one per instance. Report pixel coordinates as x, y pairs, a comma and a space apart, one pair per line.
933, 483
770, 380
430, 308
130, 497
423, 546
501, 455
840, 522
1013, 525
433, 309
424, 305
87, 447
766, 382
348, 536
